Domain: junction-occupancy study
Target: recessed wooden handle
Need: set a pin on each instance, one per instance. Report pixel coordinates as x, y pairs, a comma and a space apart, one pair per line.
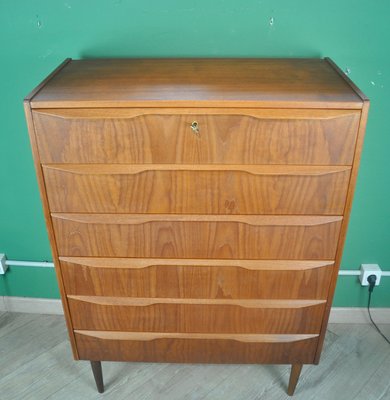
129, 169
148, 336
139, 263
254, 220
243, 303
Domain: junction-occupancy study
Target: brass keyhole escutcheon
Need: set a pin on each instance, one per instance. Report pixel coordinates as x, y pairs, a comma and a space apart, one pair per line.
195, 128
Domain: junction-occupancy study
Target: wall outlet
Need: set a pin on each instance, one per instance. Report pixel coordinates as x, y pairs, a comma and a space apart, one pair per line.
370, 269
3, 265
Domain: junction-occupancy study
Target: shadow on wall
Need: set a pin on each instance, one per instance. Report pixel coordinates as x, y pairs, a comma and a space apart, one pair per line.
115, 49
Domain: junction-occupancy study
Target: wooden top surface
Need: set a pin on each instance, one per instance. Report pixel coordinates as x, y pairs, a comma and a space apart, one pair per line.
289, 83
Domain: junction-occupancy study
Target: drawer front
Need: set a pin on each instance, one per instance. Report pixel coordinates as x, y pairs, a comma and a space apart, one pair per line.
320, 137
196, 348
196, 315
197, 236
196, 189
196, 279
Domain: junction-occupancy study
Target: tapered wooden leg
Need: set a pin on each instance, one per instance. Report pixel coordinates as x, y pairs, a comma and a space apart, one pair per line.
294, 376
98, 375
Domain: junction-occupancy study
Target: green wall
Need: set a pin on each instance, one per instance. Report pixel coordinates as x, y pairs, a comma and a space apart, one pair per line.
36, 36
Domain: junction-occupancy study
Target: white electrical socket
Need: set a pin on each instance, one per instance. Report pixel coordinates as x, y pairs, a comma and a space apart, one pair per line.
370, 269
3, 265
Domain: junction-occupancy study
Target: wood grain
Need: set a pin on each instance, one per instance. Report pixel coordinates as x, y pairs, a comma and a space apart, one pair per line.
348, 81
243, 338
347, 213
195, 315
163, 136
198, 82
142, 263
147, 302
200, 279
199, 190
45, 204
34, 92
197, 236
196, 348
254, 220
234, 230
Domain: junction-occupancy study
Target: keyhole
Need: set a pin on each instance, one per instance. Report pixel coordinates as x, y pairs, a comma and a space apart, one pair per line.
195, 128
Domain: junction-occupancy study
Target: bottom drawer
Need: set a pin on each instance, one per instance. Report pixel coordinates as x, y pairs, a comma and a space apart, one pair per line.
196, 348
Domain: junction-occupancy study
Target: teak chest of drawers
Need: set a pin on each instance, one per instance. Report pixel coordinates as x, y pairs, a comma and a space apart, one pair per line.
197, 208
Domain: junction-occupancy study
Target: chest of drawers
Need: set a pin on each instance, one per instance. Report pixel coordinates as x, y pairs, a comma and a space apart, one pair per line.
196, 208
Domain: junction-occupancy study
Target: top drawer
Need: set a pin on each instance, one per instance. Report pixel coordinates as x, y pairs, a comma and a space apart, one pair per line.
163, 136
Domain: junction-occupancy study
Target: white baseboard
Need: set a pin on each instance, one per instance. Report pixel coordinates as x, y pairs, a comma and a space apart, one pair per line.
31, 305
344, 315
356, 315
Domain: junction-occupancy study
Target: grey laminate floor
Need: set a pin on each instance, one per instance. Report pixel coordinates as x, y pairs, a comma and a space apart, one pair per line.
36, 363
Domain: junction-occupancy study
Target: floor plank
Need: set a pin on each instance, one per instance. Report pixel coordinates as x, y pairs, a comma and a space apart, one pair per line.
377, 387
346, 365
29, 340
11, 321
36, 364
